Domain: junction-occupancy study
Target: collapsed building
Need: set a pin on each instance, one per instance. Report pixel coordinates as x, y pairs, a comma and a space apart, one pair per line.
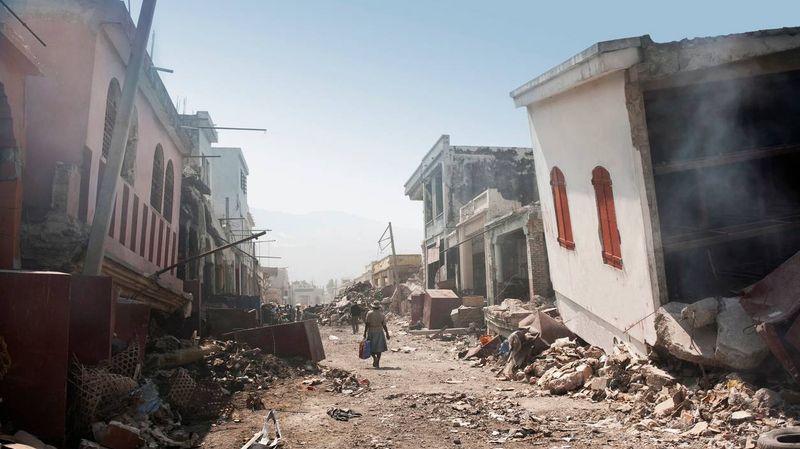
671, 167
483, 233
277, 285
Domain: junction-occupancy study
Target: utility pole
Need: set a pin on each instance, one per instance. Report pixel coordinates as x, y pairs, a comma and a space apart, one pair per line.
392, 264
107, 194
394, 260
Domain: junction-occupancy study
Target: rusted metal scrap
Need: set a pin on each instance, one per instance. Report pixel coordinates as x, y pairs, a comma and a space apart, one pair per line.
773, 305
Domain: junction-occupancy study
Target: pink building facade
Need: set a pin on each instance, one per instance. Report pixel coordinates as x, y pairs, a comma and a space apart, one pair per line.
68, 114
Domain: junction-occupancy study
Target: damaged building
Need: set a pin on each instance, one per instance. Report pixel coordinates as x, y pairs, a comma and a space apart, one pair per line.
671, 171
483, 232
79, 74
277, 285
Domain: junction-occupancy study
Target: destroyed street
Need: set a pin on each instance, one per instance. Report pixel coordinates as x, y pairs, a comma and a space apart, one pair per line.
245, 225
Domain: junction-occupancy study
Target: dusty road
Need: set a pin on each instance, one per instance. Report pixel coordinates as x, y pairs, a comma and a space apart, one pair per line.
429, 399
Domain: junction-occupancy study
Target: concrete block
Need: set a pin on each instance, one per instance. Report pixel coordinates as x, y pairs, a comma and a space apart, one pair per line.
473, 301
599, 383
701, 313
455, 319
676, 336
664, 408
738, 346
657, 378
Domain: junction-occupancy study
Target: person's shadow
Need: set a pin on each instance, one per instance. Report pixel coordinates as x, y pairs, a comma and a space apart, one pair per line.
389, 368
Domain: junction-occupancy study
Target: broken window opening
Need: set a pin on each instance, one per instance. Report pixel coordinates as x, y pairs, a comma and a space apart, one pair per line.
725, 160
607, 217
511, 266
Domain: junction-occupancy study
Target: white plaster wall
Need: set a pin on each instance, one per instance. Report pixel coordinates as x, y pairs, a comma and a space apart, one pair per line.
225, 182
576, 131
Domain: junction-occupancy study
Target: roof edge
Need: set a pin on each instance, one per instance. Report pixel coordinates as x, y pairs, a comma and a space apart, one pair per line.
594, 52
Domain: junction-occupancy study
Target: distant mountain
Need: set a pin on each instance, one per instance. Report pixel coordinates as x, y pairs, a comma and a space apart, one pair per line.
322, 245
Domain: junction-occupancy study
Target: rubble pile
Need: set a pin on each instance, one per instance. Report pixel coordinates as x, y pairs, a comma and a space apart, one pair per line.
237, 366
120, 404
338, 313
722, 408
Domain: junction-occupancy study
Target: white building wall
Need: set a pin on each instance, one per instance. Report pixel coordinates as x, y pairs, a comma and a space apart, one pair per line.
576, 131
225, 182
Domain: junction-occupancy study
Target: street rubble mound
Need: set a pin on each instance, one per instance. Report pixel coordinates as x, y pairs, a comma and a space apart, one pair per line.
722, 408
125, 403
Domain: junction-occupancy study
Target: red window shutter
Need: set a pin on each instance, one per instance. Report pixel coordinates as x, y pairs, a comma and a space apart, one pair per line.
607, 216
561, 208
569, 241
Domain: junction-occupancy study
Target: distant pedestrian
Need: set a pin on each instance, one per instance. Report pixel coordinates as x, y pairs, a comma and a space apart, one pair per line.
355, 316
376, 332
298, 314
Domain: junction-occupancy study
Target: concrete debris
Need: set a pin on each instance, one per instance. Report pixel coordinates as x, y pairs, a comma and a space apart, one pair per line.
701, 313
346, 383
465, 315
715, 406
150, 412
677, 336
505, 318
338, 313
685, 331
738, 345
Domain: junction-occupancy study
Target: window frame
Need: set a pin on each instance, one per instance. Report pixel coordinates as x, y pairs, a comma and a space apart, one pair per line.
113, 97
157, 180
169, 191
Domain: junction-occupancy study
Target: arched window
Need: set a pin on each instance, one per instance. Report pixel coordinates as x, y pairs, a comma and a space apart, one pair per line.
128, 172
169, 184
607, 216
561, 204
112, 102
157, 182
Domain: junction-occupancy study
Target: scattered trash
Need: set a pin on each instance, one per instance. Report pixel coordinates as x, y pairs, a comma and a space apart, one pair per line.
262, 439
342, 414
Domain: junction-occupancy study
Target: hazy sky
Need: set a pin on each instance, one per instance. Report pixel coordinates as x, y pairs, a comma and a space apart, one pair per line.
355, 92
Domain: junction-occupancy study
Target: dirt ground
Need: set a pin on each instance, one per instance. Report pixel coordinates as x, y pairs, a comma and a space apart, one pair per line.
429, 399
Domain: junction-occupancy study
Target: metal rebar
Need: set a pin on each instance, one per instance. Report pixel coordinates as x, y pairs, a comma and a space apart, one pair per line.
219, 248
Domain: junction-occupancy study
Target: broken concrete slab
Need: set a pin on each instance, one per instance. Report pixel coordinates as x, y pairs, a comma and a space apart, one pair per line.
701, 313
677, 336
738, 345
664, 408
657, 378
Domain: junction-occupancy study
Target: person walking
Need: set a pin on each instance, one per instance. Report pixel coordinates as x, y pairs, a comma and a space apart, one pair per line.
355, 315
376, 332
